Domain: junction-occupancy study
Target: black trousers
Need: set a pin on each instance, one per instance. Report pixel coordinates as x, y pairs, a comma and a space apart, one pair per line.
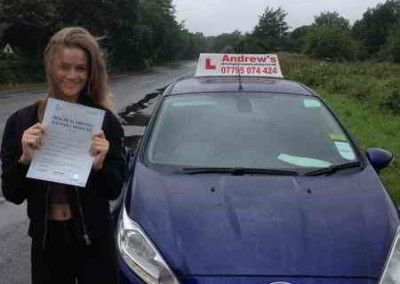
65, 259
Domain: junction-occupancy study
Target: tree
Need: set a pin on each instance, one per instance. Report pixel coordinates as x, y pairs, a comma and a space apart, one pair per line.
272, 29
250, 44
123, 41
332, 43
3, 25
145, 32
159, 15
93, 15
332, 19
27, 24
190, 45
393, 43
373, 29
297, 38
227, 41
133, 33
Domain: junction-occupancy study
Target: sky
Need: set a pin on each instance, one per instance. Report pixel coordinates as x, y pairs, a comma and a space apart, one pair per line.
213, 17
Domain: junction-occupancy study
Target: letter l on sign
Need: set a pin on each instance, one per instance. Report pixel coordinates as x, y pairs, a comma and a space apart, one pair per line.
209, 65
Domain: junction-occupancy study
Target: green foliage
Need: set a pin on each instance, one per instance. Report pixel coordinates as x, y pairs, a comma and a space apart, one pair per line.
331, 19
392, 101
271, 29
269, 35
331, 43
376, 36
139, 33
93, 15
159, 17
328, 30
125, 40
16, 70
251, 44
134, 33
190, 45
226, 42
27, 24
297, 38
393, 43
373, 29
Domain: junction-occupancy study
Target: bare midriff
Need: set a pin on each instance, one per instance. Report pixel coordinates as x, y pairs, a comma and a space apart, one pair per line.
59, 212
59, 208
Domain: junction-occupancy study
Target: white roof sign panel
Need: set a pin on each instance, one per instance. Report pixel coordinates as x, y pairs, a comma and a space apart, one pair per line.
226, 64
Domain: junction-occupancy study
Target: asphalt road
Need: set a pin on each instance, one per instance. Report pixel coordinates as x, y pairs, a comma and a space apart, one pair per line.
128, 91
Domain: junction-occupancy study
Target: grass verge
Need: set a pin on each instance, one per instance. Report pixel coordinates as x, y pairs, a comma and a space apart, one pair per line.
366, 97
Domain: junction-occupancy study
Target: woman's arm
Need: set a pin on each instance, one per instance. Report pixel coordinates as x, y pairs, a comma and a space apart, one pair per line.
14, 182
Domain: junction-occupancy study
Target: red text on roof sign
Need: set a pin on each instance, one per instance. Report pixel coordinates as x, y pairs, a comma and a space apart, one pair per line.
248, 59
209, 65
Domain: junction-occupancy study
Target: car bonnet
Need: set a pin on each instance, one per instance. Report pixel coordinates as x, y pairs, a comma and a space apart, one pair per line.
215, 224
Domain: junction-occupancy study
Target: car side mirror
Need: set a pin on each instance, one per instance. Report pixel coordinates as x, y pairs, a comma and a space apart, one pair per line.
379, 158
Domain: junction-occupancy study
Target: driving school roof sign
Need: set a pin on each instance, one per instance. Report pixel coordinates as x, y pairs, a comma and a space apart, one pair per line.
254, 65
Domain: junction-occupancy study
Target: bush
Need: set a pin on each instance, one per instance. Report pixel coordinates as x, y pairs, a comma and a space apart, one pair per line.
252, 45
16, 70
393, 43
360, 88
331, 43
392, 102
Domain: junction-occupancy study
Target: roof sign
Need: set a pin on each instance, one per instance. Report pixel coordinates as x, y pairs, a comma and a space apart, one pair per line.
7, 49
249, 65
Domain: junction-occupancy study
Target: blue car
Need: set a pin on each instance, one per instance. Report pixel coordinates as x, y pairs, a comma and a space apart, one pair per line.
244, 179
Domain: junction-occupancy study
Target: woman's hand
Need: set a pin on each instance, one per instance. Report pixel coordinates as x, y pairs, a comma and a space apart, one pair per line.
31, 141
99, 149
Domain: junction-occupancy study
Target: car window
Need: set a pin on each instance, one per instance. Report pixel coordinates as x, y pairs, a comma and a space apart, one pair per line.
247, 130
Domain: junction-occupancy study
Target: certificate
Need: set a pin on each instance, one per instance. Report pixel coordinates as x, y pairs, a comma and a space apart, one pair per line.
64, 155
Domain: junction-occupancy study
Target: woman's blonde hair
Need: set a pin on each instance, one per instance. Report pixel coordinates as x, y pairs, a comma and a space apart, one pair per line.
97, 87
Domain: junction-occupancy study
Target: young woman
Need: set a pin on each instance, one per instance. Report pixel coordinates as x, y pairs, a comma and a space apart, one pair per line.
71, 232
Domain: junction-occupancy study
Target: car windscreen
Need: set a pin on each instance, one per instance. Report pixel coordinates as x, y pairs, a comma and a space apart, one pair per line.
247, 130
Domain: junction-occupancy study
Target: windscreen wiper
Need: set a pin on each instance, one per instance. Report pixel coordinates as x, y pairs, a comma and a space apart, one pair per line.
332, 169
236, 171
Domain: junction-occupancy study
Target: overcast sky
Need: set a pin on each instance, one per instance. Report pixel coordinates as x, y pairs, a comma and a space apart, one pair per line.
213, 17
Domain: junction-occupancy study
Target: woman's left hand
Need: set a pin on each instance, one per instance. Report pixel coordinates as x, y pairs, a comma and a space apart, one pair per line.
99, 149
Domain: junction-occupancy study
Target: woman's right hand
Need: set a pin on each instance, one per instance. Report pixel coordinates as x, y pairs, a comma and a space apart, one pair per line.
31, 141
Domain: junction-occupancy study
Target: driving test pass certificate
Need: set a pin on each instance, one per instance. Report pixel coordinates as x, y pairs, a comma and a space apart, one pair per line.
64, 155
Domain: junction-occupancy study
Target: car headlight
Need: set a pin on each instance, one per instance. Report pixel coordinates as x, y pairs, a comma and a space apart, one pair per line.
140, 254
391, 273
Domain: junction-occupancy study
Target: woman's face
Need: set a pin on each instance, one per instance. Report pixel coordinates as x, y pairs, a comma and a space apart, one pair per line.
70, 73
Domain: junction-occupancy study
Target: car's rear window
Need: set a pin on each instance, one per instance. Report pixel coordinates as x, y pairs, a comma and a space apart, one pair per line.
247, 130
